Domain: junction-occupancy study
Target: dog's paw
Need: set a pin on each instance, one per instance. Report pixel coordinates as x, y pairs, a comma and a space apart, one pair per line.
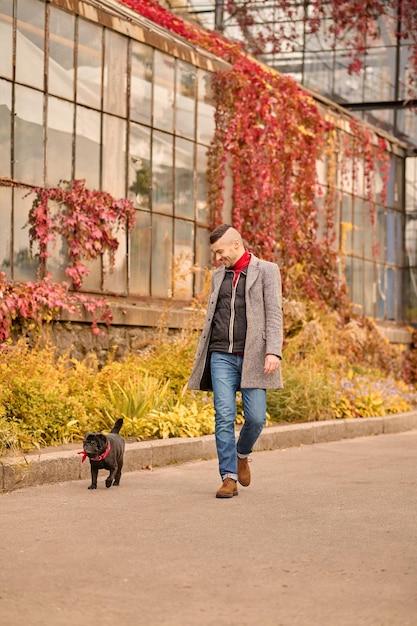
93, 487
109, 482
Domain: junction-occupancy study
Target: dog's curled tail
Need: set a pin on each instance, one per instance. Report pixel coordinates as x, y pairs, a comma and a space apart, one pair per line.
117, 426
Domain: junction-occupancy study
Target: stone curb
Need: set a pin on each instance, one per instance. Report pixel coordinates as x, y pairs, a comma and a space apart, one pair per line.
52, 467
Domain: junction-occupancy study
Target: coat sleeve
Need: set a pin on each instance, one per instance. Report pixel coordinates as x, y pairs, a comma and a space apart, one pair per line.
273, 310
200, 377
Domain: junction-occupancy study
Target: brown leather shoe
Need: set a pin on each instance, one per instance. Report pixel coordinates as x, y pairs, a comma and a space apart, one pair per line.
228, 489
243, 471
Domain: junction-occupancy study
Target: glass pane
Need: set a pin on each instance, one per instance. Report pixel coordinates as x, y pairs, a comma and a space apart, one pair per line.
391, 182
379, 74
357, 285
201, 192
184, 178
346, 224
383, 118
202, 258
378, 183
162, 167
336, 202
323, 38
399, 181
411, 184
185, 100
59, 140
359, 177
380, 232
369, 234
407, 122
401, 302
391, 303
6, 230
390, 238
358, 235
161, 256
205, 108
5, 127
163, 99
347, 269
318, 71
115, 279
400, 238
346, 169
321, 221
405, 70
30, 42
57, 262
369, 290
381, 295
61, 53
115, 73
140, 166
411, 240
290, 64
140, 255
183, 260
141, 83
28, 139
114, 151
93, 282
410, 294
89, 63
87, 147
6, 38
387, 27
25, 266
347, 87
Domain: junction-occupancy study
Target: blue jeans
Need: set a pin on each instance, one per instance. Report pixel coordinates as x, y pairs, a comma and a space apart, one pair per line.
226, 372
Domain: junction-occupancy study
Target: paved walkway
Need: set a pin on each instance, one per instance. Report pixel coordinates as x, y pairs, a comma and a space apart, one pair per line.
52, 465
324, 536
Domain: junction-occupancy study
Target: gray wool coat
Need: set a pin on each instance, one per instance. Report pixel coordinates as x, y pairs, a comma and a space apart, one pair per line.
263, 333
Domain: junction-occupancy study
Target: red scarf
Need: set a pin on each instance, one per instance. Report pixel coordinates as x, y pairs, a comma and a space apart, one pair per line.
240, 265
96, 458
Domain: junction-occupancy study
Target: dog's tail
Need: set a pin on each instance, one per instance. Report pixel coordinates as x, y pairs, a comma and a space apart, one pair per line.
117, 426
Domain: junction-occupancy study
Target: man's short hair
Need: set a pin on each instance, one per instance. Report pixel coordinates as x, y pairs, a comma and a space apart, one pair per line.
219, 232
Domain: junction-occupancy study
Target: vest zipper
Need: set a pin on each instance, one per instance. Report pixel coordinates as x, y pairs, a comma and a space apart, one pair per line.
232, 313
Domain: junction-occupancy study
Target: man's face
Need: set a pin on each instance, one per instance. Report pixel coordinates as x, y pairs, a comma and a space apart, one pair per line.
226, 250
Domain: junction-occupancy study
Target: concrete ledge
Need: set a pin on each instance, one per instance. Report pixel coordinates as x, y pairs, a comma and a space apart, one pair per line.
365, 427
285, 436
400, 422
60, 466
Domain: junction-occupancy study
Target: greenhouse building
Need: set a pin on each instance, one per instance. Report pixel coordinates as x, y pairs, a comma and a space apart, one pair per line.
97, 91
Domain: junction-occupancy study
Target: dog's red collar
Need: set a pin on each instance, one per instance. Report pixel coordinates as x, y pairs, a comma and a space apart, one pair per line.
96, 458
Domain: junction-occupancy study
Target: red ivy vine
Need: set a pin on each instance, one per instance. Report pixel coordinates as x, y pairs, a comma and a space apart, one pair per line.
87, 220
271, 134
22, 304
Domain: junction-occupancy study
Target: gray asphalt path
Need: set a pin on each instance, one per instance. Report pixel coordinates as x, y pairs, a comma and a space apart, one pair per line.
324, 536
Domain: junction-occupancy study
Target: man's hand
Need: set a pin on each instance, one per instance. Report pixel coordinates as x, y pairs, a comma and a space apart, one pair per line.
271, 363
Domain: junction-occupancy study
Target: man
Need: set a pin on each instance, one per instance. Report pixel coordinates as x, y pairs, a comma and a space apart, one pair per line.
239, 349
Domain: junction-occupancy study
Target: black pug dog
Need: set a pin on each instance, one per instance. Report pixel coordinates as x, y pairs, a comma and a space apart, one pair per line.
105, 452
